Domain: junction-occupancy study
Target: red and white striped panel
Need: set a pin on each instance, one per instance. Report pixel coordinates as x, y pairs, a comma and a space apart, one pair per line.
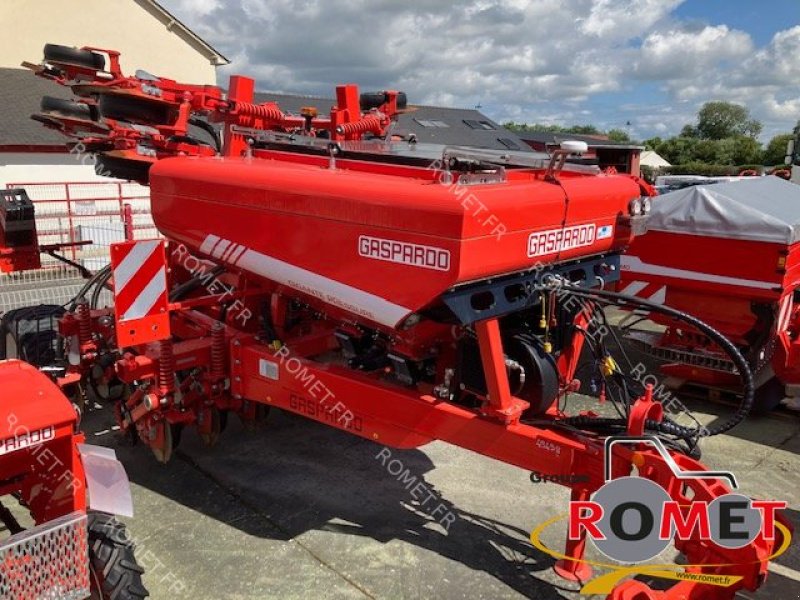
225, 250
652, 292
785, 313
140, 291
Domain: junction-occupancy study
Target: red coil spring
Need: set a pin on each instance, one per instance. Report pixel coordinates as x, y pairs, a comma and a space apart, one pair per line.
261, 111
373, 124
217, 370
84, 317
166, 367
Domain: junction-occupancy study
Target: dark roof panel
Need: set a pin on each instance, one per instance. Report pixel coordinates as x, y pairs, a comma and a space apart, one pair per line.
21, 92
554, 139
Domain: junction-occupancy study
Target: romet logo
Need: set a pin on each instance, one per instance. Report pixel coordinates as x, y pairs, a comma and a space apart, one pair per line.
632, 520
558, 240
404, 253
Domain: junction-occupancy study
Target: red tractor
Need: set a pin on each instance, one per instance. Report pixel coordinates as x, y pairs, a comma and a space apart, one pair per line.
401, 292
72, 549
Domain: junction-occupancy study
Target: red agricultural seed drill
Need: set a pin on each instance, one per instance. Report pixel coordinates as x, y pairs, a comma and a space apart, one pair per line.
401, 292
73, 548
729, 254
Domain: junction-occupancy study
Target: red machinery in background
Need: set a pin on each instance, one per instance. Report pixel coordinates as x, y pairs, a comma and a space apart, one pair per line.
69, 551
728, 254
401, 292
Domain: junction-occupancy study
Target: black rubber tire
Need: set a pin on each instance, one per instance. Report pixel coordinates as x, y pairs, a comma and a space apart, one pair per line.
541, 386
32, 332
68, 108
66, 54
370, 100
768, 396
123, 168
134, 110
115, 573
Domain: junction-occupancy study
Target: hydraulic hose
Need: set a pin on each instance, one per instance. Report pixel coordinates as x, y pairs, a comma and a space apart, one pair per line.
669, 427
87, 286
209, 129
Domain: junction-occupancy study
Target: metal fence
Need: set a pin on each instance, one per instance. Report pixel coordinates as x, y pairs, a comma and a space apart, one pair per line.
68, 212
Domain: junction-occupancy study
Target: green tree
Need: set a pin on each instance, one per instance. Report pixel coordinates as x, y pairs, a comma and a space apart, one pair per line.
618, 135
653, 143
512, 126
776, 149
747, 151
720, 120
678, 150
583, 130
689, 131
706, 151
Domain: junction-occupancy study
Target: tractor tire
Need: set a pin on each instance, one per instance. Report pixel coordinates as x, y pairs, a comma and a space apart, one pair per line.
8, 347
115, 574
73, 56
68, 108
135, 110
31, 334
370, 100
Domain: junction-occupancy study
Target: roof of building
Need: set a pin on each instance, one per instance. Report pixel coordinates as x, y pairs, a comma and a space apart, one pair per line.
175, 24
651, 158
593, 141
21, 92
431, 124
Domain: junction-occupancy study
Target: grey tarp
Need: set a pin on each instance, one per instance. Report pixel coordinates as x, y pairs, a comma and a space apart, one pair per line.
762, 209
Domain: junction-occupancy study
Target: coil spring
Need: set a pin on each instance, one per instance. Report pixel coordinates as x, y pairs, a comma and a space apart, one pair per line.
269, 113
373, 124
166, 367
84, 317
217, 370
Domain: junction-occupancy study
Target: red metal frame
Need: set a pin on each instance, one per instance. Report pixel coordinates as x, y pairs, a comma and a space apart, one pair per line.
724, 294
314, 287
49, 475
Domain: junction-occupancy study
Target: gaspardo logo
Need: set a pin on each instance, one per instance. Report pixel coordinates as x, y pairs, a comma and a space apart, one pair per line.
631, 520
404, 253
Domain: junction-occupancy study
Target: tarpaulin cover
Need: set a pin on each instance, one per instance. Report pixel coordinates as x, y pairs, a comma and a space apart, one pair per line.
762, 208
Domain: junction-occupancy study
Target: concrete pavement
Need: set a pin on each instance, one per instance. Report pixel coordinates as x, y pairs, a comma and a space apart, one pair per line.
300, 510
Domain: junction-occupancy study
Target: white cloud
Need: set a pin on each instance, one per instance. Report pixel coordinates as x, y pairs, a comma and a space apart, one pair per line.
534, 58
626, 19
682, 54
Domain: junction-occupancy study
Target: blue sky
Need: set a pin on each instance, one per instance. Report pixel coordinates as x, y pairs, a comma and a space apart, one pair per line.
650, 63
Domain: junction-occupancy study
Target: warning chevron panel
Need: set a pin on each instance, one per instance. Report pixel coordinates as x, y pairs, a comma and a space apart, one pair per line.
140, 291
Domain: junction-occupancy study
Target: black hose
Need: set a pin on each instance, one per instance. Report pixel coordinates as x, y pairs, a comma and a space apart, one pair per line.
87, 286
192, 284
746, 375
209, 129
101, 283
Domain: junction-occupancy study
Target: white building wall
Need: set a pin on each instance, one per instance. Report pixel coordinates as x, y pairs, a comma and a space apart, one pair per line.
145, 41
31, 167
